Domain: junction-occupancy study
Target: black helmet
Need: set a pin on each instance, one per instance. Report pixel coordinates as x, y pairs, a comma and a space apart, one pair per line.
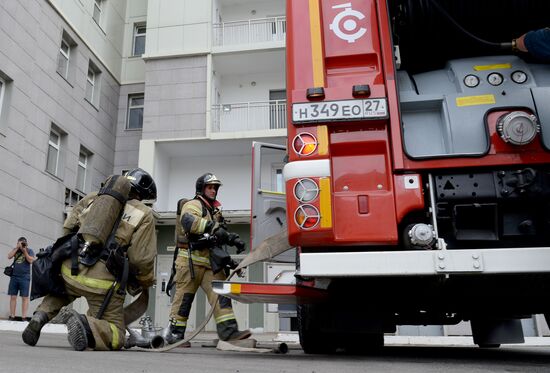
142, 183
204, 180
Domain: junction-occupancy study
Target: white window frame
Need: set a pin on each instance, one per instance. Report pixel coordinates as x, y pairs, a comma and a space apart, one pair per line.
98, 5
130, 107
84, 167
55, 146
67, 56
91, 82
137, 35
2, 90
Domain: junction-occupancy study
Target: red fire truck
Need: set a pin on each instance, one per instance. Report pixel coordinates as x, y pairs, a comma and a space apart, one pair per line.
418, 178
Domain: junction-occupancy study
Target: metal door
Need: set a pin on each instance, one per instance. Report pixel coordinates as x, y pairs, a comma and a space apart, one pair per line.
268, 203
162, 301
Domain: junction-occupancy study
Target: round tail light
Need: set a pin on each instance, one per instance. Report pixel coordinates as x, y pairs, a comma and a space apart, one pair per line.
307, 216
304, 144
306, 190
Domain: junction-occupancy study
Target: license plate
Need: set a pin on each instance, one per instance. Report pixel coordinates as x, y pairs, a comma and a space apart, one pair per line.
327, 111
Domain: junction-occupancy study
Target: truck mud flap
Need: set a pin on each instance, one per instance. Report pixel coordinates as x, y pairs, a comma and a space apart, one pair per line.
251, 292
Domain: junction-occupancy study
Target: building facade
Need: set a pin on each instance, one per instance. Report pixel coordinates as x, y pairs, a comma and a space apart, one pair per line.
177, 87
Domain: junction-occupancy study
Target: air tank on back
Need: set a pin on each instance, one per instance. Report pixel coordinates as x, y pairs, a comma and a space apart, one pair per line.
99, 220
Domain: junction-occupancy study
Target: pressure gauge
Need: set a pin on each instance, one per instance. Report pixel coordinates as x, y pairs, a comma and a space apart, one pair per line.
518, 127
495, 79
471, 81
519, 77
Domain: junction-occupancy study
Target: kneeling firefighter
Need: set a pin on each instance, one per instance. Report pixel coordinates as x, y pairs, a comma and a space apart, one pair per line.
201, 259
109, 247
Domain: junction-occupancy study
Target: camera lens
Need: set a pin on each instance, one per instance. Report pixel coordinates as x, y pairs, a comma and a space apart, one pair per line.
24, 244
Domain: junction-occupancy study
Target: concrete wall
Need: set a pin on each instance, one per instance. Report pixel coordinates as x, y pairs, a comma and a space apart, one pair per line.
250, 87
32, 200
256, 9
105, 39
133, 67
127, 141
175, 99
178, 27
233, 171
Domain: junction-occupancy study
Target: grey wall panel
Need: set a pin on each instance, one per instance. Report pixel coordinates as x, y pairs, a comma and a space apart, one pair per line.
127, 146
175, 99
32, 200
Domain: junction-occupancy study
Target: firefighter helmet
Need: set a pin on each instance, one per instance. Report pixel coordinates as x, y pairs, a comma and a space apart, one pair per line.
142, 183
204, 180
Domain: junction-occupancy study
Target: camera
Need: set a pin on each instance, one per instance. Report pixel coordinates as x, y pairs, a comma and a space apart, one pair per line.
23, 244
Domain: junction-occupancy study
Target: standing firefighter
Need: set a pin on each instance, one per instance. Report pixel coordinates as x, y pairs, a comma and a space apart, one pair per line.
201, 259
116, 246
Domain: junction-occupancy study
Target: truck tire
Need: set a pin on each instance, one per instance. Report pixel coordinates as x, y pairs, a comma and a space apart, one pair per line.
360, 344
312, 339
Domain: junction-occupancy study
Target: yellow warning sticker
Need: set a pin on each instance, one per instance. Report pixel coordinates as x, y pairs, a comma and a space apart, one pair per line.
493, 67
475, 100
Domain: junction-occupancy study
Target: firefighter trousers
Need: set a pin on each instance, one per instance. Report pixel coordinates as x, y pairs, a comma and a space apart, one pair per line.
186, 289
109, 332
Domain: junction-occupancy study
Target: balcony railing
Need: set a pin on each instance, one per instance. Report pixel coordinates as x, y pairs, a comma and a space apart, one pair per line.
249, 116
250, 31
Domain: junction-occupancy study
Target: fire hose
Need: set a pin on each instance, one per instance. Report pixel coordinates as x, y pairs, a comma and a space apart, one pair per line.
268, 249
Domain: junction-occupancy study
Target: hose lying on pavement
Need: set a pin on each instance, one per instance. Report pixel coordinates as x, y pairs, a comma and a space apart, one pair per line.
267, 249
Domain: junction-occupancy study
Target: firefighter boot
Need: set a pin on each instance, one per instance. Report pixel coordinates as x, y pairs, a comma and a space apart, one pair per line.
229, 331
79, 333
31, 334
173, 333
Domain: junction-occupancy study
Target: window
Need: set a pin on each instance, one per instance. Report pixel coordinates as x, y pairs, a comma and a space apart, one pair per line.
98, 5
139, 40
82, 169
52, 165
92, 84
63, 58
135, 112
66, 58
277, 180
2, 89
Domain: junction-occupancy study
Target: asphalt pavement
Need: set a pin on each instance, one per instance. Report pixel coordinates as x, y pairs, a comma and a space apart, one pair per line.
401, 354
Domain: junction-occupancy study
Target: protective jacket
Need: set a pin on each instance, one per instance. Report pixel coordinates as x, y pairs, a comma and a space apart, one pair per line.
198, 217
136, 230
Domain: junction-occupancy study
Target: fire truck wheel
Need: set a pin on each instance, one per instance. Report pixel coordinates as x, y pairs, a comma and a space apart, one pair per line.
489, 345
360, 344
312, 339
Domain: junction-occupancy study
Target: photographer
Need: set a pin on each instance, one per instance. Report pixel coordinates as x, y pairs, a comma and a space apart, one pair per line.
20, 280
202, 259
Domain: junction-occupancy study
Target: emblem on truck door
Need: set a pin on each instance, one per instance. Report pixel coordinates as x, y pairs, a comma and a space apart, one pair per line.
345, 25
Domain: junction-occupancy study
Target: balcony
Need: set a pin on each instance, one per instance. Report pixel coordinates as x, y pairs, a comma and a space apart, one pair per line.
249, 116
249, 32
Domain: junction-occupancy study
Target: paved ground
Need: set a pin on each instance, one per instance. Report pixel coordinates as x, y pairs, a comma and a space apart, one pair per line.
53, 354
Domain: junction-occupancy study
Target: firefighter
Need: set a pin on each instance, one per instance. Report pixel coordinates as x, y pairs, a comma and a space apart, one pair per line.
136, 231
200, 218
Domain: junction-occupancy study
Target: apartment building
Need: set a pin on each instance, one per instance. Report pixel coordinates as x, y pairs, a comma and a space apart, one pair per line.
178, 87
